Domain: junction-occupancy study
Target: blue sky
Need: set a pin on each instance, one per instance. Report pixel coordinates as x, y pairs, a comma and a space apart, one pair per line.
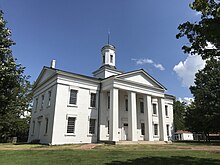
74, 31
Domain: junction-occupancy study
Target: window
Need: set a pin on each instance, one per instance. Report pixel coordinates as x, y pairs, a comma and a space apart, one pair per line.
156, 129
71, 125
142, 106
93, 100
111, 58
126, 104
46, 125
168, 130
49, 98
92, 126
33, 127
73, 97
166, 110
108, 126
36, 103
108, 102
42, 101
154, 109
103, 59
142, 129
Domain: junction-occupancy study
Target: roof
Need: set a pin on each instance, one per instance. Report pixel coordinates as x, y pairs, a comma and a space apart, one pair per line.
144, 72
182, 131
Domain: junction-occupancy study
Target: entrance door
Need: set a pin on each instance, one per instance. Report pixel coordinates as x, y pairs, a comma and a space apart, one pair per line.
125, 132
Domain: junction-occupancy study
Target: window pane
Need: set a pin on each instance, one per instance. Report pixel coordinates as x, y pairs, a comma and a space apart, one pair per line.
73, 96
93, 100
71, 125
155, 129
92, 126
154, 108
168, 130
126, 104
46, 128
42, 101
142, 107
166, 110
142, 129
49, 98
108, 102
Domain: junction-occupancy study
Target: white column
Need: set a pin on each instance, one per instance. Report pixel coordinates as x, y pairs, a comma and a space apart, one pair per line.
148, 118
132, 117
162, 124
113, 115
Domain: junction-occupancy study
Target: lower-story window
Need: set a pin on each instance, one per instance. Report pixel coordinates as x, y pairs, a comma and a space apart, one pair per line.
92, 126
156, 129
168, 130
142, 129
71, 125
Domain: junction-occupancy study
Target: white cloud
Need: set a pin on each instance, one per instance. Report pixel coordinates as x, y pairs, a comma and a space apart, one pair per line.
186, 69
187, 100
143, 61
159, 66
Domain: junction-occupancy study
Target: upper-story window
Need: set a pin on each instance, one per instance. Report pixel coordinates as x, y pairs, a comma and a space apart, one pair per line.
111, 58
73, 96
36, 104
93, 100
154, 108
42, 102
108, 100
49, 98
103, 59
126, 104
142, 107
166, 110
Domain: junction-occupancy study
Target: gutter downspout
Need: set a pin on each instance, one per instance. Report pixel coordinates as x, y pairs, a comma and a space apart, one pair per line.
99, 112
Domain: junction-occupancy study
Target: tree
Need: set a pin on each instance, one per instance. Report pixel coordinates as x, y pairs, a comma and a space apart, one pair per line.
15, 95
205, 114
203, 32
179, 109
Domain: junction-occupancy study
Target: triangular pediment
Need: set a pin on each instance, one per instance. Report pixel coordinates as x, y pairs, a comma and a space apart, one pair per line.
45, 74
141, 77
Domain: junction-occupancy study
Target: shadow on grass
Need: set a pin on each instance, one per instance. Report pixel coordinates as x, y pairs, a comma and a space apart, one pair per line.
187, 160
211, 143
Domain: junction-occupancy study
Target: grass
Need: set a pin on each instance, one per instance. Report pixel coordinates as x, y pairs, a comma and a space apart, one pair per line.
109, 154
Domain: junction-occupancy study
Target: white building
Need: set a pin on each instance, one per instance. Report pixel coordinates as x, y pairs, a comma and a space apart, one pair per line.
111, 106
183, 135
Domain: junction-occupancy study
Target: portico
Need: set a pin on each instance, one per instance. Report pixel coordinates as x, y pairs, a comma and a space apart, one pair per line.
128, 119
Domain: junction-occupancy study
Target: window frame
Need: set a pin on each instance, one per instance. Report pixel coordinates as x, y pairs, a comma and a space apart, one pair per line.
166, 111
71, 97
49, 98
42, 101
142, 128
46, 125
73, 125
92, 128
141, 106
93, 100
154, 109
156, 133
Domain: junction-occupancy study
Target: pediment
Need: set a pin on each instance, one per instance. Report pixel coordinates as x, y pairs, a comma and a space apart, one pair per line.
141, 77
45, 74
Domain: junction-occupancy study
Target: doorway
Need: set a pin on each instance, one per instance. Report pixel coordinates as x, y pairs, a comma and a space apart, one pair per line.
125, 131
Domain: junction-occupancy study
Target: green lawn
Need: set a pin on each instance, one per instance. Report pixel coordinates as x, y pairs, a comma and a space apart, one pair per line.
109, 154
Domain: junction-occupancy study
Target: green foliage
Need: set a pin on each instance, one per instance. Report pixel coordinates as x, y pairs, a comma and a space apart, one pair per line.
205, 31
204, 115
179, 109
15, 88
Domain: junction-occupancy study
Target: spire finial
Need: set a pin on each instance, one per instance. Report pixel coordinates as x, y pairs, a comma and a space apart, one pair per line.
108, 36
